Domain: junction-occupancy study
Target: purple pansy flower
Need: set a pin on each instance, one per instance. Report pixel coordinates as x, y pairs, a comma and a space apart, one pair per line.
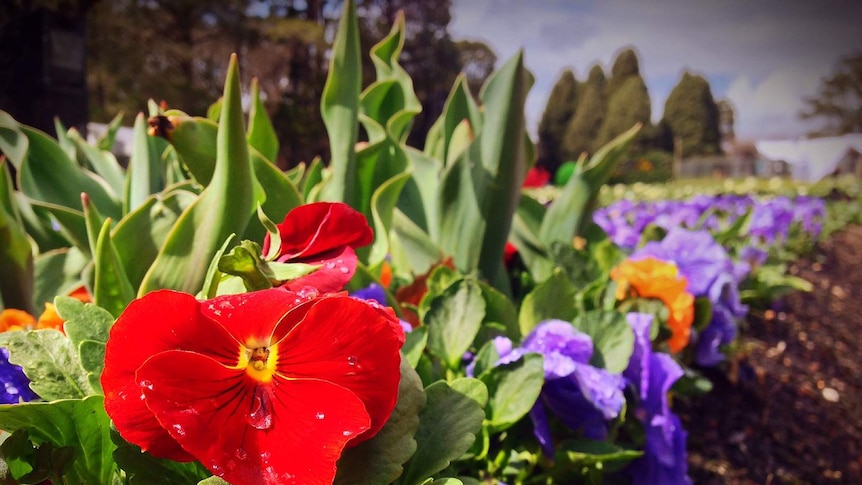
652, 375
14, 385
583, 397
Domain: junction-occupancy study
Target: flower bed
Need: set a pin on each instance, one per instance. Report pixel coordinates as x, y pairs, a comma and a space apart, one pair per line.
412, 317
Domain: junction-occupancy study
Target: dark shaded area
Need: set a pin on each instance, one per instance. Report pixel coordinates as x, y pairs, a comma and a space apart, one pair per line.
788, 412
43, 55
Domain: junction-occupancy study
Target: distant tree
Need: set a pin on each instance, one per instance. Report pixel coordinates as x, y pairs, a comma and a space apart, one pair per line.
477, 62
562, 103
580, 134
839, 99
726, 119
692, 116
628, 105
626, 65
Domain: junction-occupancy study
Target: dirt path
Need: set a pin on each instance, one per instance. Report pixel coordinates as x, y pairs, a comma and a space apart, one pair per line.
791, 413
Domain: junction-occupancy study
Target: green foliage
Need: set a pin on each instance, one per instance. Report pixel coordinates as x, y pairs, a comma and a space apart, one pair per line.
453, 320
79, 424
453, 415
613, 339
692, 116
513, 389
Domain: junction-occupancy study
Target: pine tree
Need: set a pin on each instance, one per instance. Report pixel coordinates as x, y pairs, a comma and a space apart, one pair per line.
584, 125
561, 106
628, 100
692, 116
626, 65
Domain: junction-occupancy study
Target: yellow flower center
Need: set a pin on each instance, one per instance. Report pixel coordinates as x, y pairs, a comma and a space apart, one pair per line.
259, 361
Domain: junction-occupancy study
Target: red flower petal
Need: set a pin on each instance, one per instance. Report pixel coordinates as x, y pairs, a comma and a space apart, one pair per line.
250, 316
157, 322
288, 432
347, 342
336, 269
312, 229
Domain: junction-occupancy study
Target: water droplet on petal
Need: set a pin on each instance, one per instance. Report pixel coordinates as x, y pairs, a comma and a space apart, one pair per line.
241, 454
260, 416
329, 265
344, 269
347, 432
339, 261
319, 415
308, 292
178, 429
146, 384
352, 360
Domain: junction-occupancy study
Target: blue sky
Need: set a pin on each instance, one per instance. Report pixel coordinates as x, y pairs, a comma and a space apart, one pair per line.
764, 56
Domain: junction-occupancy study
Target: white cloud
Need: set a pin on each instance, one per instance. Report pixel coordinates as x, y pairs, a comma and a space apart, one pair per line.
770, 109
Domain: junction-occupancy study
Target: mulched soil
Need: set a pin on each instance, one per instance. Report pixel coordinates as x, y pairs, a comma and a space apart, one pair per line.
790, 410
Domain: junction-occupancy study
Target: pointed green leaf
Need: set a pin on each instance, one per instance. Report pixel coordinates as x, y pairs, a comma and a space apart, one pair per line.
81, 424
453, 320
58, 272
261, 134
195, 140
412, 248
447, 427
106, 141
223, 208
141, 233
382, 204
214, 111
414, 345
104, 163
13, 142
503, 156
48, 175
112, 290
339, 107
459, 112
145, 175
71, 222
573, 206
281, 194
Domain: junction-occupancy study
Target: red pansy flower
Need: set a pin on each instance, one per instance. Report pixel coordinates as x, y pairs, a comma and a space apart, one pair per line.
323, 233
536, 177
262, 388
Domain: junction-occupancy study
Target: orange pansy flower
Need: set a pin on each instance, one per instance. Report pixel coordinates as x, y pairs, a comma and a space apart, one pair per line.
654, 278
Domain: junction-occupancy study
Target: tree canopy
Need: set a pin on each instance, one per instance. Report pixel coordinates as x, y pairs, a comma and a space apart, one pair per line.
562, 104
839, 99
691, 114
580, 134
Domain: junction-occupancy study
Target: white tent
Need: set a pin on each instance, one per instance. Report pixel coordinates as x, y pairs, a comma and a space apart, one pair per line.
812, 159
